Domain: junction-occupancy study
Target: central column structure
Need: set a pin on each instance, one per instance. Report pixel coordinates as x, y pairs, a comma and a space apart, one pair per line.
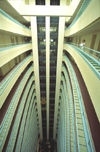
36, 69
47, 66
61, 30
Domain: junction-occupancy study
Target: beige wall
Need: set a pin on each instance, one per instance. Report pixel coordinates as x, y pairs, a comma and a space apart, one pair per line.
88, 38
7, 38
97, 40
7, 67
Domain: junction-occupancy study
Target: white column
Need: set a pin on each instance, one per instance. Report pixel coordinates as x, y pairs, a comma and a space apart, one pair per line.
47, 66
59, 64
63, 2
36, 68
31, 2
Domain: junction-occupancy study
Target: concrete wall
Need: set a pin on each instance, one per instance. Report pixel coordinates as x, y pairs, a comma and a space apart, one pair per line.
88, 38
7, 38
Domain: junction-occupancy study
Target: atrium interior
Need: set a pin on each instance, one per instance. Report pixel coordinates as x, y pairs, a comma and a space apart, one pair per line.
49, 75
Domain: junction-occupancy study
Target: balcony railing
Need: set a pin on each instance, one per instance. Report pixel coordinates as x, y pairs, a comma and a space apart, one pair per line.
91, 57
91, 52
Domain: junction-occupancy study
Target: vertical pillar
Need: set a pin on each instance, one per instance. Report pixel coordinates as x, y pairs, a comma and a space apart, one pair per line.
36, 68
59, 64
47, 66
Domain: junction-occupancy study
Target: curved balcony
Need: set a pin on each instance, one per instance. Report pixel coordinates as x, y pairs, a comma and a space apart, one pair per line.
88, 55
22, 131
85, 17
19, 138
89, 73
6, 123
83, 134
8, 82
8, 24
27, 127
28, 92
9, 53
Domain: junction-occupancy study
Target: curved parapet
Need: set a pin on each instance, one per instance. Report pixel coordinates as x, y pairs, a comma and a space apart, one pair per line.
72, 112
6, 123
90, 78
89, 16
9, 53
15, 26
9, 81
23, 107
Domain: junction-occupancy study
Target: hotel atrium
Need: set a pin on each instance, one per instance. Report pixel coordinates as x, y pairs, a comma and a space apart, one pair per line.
49, 75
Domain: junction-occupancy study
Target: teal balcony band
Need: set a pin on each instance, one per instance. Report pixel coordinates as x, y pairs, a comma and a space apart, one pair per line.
18, 117
92, 62
29, 131
65, 99
12, 45
9, 81
30, 135
68, 90
5, 125
21, 132
12, 19
64, 92
90, 51
27, 128
78, 100
80, 12
5, 82
62, 132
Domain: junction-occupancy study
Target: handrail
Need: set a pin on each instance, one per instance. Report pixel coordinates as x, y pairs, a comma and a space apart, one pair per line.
71, 102
81, 10
65, 98
12, 106
26, 74
83, 114
19, 140
12, 19
87, 59
19, 114
26, 119
65, 72
92, 52
4, 84
13, 45
62, 128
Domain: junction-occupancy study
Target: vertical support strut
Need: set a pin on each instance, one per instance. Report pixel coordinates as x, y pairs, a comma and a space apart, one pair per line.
59, 64
36, 69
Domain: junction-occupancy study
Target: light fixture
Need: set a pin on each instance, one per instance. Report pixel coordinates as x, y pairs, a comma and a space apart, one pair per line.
51, 40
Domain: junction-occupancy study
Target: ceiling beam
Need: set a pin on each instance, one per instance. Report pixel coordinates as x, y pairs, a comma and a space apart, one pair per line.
38, 10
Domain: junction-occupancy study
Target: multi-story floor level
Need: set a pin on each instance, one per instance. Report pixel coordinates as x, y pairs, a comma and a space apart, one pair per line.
49, 75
